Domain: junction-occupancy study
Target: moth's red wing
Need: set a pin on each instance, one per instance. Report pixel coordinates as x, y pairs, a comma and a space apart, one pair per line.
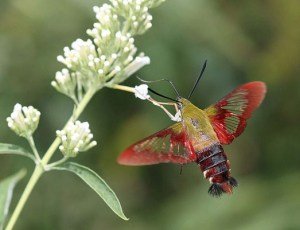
228, 116
169, 145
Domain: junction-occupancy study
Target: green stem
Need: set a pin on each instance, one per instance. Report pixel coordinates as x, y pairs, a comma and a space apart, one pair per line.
85, 100
39, 169
33, 147
122, 87
49, 166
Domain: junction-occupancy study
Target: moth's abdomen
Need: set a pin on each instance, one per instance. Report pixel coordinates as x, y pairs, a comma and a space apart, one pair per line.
216, 168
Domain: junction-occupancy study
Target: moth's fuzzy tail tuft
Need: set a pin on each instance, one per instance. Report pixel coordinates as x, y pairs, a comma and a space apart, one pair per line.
233, 182
217, 189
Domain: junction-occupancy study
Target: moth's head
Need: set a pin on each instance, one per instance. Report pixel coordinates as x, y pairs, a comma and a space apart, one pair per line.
182, 102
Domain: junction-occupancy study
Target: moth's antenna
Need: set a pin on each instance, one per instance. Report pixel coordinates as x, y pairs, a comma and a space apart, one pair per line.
198, 79
171, 83
163, 96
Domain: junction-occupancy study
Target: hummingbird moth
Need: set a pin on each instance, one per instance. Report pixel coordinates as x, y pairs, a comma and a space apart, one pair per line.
199, 136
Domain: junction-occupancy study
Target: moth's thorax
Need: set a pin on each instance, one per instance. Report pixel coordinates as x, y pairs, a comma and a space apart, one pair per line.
198, 127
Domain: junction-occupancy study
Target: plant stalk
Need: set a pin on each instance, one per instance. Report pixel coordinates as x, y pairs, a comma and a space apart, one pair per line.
122, 87
62, 160
39, 169
33, 147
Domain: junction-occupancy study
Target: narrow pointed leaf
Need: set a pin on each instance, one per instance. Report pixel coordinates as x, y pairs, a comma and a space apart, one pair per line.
97, 184
6, 191
14, 149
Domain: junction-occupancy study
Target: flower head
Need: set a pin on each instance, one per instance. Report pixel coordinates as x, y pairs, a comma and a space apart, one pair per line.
23, 120
110, 56
77, 57
75, 138
65, 83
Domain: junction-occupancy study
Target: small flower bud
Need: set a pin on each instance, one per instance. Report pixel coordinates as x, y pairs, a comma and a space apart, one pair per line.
141, 92
76, 137
23, 120
136, 64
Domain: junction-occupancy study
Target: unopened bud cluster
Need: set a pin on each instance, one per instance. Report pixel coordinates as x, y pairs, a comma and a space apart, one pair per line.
110, 56
23, 120
65, 83
136, 13
75, 138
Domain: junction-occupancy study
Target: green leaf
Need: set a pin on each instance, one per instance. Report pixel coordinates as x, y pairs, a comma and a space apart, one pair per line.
97, 184
14, 149
6, 191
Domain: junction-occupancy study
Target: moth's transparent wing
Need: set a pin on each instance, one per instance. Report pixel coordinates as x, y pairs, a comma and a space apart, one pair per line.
169, 145
229, 116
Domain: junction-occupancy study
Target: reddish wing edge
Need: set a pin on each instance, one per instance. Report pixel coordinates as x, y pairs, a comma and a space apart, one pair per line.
228, 116
166, 146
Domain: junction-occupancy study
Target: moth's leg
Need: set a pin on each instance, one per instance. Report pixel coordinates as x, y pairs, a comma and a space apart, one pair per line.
161, 105
176, 108
166, 103
177, 116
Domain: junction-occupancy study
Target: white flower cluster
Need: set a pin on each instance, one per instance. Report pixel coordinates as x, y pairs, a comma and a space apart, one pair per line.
23, 120
104, 31
116, 49
65, 83
81, 51
111, 56
75, 138
136, 11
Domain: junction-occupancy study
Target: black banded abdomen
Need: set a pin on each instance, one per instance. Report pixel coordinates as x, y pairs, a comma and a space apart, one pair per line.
213, 163
216, 168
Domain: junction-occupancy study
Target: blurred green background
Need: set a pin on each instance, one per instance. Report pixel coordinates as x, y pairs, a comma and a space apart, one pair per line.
242, 40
